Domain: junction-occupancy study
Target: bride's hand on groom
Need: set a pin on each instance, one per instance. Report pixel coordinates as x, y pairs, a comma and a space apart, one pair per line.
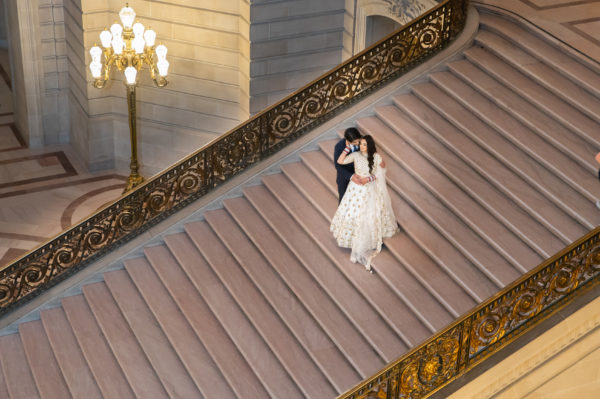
361, 181
357, 180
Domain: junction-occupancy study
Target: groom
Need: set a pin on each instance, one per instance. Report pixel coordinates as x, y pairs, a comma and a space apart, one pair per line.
346, 172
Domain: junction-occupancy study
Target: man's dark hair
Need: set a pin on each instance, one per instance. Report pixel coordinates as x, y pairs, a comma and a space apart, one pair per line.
351, 134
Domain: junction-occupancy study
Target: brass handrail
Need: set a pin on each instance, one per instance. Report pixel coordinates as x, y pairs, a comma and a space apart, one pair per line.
229, 154
490, 326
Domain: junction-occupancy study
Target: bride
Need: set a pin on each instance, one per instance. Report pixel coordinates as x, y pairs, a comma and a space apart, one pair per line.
365, 216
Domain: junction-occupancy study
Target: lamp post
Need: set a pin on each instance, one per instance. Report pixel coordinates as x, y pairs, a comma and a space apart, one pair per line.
128, 48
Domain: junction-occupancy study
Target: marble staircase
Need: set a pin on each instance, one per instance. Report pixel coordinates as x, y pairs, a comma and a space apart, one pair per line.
490, 171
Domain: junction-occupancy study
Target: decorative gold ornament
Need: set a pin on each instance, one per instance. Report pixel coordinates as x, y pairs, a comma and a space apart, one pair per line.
491, 326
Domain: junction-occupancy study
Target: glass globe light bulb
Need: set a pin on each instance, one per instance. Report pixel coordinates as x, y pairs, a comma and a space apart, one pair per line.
96, 69
163, 67
138, 29
161, 51
117, 44
96, 53
138, 44
116, 30
127, 16
130, 75
150, 37
105, 38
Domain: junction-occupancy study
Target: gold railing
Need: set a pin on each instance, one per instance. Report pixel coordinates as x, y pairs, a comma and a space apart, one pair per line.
223, 158
490, 326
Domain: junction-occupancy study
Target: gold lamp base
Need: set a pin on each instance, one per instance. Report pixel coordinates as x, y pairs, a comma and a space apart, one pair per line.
132, 182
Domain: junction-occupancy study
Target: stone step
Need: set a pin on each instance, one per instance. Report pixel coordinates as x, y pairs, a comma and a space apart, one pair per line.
100, 359
537, 147
543, 50
42, 363
152, 339
452, 294
535, 170
514, 79
403, 284
204, 347
290, 353
314, 341
3, 388
544, 75
15, 369
366, 319
384, 301
444, 148
484, 94
503, 101
131, 357
306, 289
403, 138
248, 341
474, 142
69, 356
488, 238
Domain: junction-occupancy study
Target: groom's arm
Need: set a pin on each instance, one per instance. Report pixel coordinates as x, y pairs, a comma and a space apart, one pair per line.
341, 169
345, 173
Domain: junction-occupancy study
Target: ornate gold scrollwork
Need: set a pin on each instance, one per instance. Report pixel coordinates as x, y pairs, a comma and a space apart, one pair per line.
490, 326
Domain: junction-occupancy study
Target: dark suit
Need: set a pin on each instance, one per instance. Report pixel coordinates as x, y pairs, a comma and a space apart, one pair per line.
344, 172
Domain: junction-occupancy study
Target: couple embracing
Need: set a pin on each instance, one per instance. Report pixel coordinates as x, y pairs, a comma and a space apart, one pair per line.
364, 216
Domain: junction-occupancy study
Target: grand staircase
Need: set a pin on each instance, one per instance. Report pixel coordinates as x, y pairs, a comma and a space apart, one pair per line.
490, 171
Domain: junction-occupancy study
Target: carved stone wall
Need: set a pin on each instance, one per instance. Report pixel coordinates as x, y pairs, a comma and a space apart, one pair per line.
401, 11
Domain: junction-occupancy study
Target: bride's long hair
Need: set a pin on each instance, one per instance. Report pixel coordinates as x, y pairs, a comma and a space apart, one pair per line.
371, 150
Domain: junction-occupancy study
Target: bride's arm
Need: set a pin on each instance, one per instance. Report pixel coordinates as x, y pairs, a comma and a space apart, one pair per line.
342, 159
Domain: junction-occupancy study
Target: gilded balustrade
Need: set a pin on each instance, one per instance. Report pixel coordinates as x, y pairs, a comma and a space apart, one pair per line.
223, 158
489, 327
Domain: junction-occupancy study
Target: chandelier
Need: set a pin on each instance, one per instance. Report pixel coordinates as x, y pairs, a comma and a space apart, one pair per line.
128, 47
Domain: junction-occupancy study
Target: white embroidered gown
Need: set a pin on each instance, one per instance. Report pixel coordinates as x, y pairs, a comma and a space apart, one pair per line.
365, 215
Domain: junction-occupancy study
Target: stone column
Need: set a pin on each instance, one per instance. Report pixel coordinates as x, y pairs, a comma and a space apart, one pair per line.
27, 69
